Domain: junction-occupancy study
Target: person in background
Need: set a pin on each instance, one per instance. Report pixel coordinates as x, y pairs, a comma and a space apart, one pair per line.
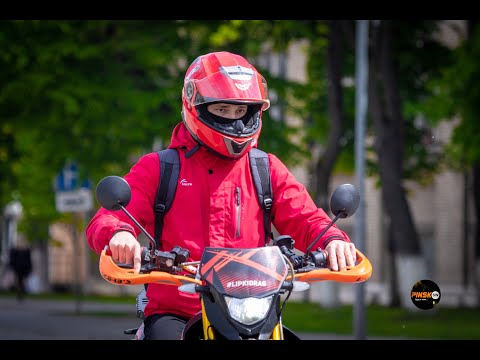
20, 261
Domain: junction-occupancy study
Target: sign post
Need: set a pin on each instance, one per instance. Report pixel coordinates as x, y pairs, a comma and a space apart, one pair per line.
72, 198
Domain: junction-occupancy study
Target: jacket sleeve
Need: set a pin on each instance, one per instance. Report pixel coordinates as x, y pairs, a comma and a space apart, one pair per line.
294, 212
143, 179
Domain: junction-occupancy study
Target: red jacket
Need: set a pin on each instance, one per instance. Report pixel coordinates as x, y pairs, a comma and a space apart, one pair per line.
204, 212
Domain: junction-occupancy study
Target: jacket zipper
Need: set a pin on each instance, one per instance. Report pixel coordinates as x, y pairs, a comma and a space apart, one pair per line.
238, 210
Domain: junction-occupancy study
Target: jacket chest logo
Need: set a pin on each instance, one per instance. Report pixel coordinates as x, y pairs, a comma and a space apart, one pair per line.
184, 182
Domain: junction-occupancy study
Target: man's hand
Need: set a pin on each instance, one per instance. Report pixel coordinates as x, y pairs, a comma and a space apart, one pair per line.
126, 249
340, 254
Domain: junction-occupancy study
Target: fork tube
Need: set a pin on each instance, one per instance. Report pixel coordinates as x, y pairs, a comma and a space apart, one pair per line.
207, 329
277, 333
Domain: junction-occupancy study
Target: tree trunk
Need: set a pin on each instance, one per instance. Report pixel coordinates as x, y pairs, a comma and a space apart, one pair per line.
386, 111
324, 164
476, 204
476, 200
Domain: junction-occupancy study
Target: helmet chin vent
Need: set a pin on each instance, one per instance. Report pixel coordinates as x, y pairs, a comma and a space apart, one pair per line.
235, 148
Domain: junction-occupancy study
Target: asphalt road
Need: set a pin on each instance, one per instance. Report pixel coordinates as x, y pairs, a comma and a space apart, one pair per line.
34, 319
64, 320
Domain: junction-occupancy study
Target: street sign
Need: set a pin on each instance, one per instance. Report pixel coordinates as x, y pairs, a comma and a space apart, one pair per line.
72, 194
67, 178
79, 200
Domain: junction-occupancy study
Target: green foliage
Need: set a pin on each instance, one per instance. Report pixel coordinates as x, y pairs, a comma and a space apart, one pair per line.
91, 91
418, 58
100, 93
455, 96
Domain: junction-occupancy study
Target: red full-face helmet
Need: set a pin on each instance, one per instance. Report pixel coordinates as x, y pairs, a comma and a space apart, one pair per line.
223, 77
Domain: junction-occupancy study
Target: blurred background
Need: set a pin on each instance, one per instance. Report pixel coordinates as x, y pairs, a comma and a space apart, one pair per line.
83, 99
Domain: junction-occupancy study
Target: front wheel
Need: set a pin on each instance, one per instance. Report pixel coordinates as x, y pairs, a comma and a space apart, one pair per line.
194, 328
289, 334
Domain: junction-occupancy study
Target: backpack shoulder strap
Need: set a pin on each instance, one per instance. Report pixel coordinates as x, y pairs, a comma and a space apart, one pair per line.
167, 186
260, 169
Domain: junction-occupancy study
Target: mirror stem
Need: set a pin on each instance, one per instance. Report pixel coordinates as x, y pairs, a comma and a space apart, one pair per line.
323, 232
152, 242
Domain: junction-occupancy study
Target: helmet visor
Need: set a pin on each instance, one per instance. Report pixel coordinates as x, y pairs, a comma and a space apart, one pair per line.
245, 126
235, 84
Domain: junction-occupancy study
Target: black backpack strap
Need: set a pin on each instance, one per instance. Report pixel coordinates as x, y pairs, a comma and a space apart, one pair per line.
167, 186
260, 169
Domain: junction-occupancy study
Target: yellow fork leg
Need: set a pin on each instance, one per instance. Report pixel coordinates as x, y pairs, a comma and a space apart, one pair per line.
277, 333
207, 330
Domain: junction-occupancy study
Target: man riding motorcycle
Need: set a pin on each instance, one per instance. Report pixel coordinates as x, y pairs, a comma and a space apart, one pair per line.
215, 205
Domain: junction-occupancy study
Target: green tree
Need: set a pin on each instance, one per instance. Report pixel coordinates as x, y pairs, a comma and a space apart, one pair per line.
403, 55
455, 96
97, 92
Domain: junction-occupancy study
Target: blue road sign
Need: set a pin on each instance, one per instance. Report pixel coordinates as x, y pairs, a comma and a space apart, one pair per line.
67, 179
86, 184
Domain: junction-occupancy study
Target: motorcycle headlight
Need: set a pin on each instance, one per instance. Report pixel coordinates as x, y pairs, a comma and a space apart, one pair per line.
249, 310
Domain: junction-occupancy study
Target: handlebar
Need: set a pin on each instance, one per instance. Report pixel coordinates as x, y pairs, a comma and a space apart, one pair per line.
118, 275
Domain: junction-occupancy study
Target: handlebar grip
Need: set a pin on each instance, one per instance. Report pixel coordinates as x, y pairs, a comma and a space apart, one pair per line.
144, 255
319, 258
